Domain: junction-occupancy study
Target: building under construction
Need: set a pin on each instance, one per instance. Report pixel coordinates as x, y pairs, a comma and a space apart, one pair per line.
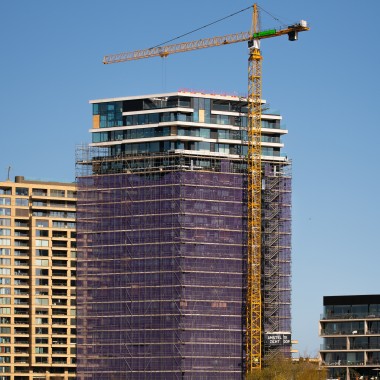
162, 238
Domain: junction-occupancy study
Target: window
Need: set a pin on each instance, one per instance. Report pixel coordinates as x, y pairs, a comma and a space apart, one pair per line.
22, 202
41, 350
5, 222
5, 211
42, 223
5, 301
42, 263
5, 201
42, 252
5, 330
5, 271
5, 310
5, 232
41, 359
22, 191
5, 251
57, 193
42, 243
39, 192
5, 190
71, 194
42, 340
42, 272
5, 281
5, 290
42, 321
42, 233
42, 330
42, 311
42, 301
5, 261
42, 281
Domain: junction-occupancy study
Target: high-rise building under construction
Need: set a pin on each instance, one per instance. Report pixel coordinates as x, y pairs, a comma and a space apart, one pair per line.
162, 238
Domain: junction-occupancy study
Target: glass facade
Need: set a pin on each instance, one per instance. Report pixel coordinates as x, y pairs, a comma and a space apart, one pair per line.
122, 116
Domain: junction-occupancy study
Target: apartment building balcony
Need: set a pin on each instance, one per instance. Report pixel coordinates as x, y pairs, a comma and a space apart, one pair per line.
21, 331
21, 321
21, 340
21, 272
21, 263
20, 311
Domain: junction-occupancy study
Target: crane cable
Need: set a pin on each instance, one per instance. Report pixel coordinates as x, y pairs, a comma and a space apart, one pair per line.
202, 27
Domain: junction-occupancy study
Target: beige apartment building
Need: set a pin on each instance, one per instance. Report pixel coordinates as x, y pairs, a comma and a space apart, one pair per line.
37, 280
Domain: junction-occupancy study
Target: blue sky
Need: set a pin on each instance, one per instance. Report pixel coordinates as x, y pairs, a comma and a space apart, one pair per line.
326, 87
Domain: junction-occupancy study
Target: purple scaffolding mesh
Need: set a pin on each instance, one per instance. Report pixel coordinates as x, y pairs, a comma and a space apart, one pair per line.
161, 269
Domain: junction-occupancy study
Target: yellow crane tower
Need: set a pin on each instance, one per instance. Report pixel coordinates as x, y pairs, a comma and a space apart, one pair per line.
253, 339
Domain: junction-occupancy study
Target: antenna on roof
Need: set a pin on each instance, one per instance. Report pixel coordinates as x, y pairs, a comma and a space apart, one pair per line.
9, 170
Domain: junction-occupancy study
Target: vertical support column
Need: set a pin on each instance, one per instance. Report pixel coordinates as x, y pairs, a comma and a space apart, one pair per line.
254, 302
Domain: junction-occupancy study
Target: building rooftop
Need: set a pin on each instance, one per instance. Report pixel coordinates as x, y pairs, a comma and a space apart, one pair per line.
194, 94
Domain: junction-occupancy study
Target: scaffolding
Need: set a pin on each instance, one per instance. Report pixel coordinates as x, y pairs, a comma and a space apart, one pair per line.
276, 253
162, 264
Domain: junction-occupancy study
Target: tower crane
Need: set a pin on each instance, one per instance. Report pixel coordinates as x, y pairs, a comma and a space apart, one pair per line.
253, 339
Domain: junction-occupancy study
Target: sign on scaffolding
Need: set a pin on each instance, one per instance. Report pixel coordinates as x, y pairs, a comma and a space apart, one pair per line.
277, 339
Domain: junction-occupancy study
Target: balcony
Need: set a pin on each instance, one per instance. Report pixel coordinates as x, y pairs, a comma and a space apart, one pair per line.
60, 321
59, 263
60, 292
21, 233
21, 321
59, 360
59, 332
21, 301
21, 311
39, 192
21, 331
59, 302
59, 312
22, 359
333, 347
21, 292
59, 244
22, 350
59, 341
22, 243
19, 252
21, 263
21, 272
21, 340
59, 273
59, 351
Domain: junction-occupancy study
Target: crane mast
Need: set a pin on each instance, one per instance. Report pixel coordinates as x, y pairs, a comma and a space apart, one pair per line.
253, 339
254, 304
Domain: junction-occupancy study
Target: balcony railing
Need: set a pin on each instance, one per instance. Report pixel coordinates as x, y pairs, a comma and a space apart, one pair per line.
342, 332
350, 316
344, 363
333, 347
